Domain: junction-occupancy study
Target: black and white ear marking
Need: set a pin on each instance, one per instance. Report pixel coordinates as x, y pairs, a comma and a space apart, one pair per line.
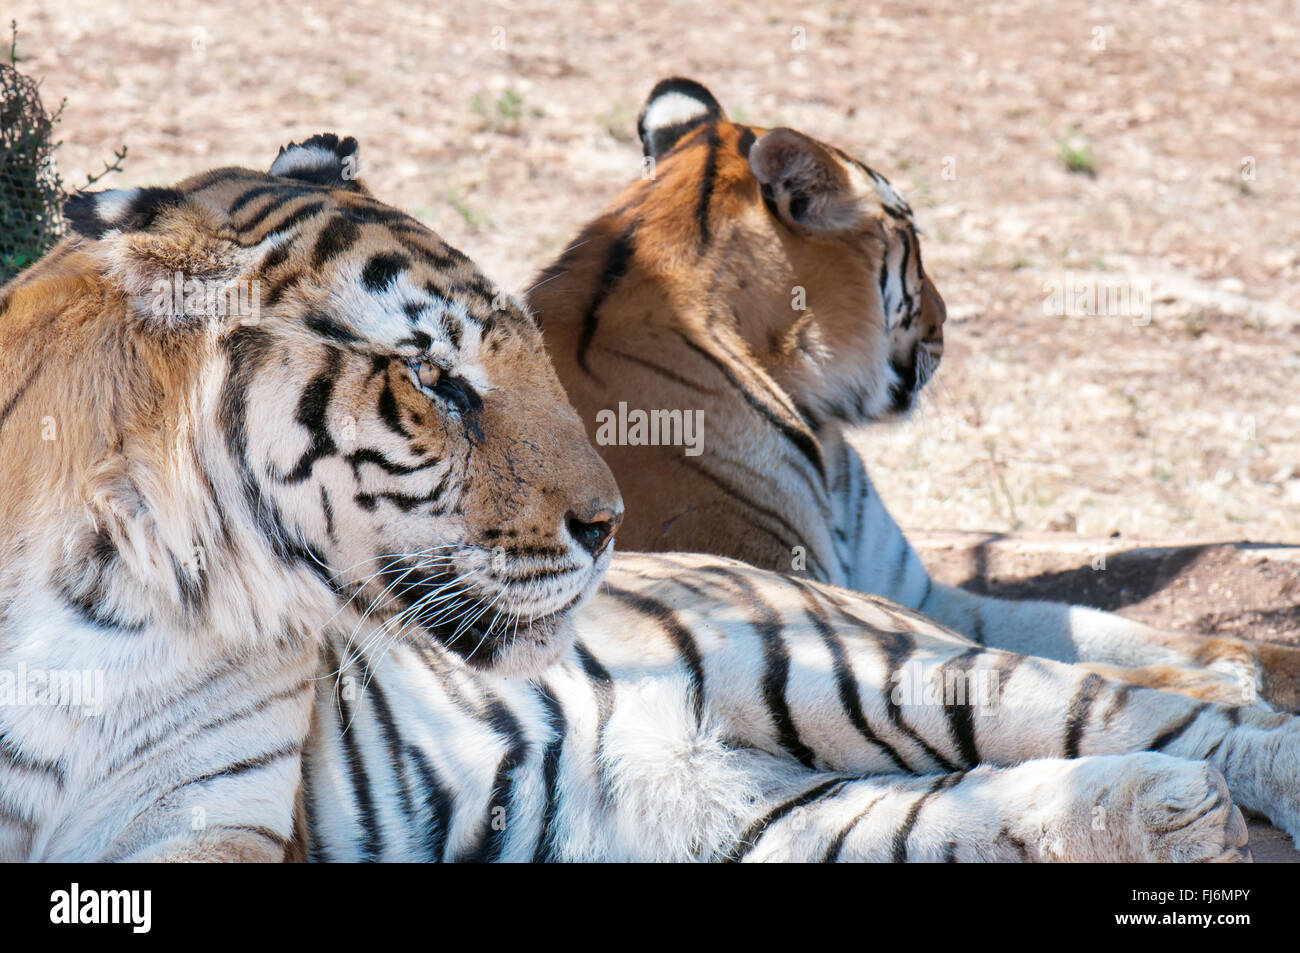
675, 107
324, 159
91, 214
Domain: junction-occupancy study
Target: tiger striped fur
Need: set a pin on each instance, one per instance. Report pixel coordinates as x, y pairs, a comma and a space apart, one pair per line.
712, 711
327, 501
774, 284
195, 488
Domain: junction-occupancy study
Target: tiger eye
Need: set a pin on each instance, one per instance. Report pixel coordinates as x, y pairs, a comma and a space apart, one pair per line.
428, 374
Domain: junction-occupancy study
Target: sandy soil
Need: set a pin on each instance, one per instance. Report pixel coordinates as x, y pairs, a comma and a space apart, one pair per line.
506, 125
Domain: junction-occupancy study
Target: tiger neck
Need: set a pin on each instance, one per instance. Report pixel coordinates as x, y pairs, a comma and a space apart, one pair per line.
119, 570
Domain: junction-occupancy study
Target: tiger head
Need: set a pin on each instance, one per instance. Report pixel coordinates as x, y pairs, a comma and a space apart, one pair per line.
804, 251
282, 401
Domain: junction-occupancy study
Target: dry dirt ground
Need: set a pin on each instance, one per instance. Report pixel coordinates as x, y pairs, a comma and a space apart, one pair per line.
506, 125
1149, 150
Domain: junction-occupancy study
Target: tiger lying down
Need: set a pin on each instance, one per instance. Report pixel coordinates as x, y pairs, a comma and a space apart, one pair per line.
375, 465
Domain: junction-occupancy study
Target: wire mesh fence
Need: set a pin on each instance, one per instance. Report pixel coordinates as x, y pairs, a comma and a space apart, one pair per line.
31, 189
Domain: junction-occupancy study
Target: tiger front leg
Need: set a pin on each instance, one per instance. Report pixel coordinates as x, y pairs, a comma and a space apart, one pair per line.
1040, 709
856, 685
1133, 808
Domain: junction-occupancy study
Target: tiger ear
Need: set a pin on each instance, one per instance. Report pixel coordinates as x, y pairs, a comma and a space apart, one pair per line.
324, 159
171, 256
675, 107
803, 183
92, 214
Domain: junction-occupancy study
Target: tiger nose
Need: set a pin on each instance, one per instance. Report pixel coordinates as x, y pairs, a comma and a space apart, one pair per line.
593, 531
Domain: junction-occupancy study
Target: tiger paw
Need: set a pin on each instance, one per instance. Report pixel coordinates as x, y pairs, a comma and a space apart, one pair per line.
1186, 815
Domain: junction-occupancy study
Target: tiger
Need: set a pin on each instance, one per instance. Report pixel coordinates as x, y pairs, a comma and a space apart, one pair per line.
773, 285
346, 558
706, 710
227, 428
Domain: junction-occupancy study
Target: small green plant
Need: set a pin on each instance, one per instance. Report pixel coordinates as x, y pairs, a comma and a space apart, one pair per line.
501, 114
510, 105
472, 216
1076, 153
31, 189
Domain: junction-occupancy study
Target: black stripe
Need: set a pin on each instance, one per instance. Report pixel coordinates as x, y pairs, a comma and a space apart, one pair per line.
961, 717
375, 457
902, 277
659, 369
603, 686
914, 812
794, 430
898, 648
339, 234
439, 802
281, 197
291, 220
280, 286
1079, 711
275, 837
18, 758
617, 259
391, 735
1175, 732
707, 178
558, 725
276, 257
206, 180
286, 191
1022, 849
247, 348
836, 846
845, 680
745, 142
245, 765
776, 659
749, 839
490, 840
372, 840
1119, 700
129, 762
317, 852
312, 414
746, 502
681, 637
389, 412
382, 270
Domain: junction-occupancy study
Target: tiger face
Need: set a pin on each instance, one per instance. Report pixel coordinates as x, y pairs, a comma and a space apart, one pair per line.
827, 284
382, 421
